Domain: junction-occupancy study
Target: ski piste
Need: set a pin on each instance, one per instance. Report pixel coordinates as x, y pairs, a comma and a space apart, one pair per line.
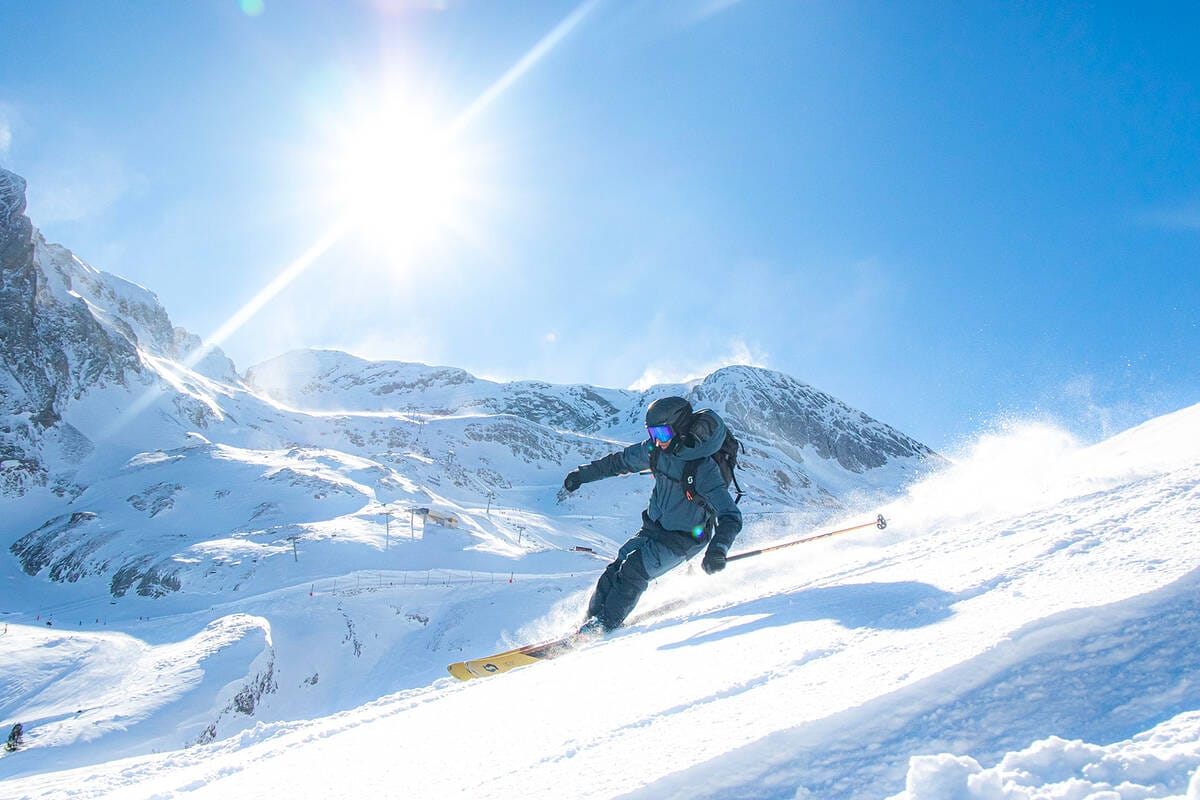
517, 657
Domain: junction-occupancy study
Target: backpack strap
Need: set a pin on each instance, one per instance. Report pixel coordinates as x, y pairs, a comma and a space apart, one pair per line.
687, 482
689, 479
739, 493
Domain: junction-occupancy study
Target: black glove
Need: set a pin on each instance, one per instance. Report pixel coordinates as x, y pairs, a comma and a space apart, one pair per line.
572, 481
714, 560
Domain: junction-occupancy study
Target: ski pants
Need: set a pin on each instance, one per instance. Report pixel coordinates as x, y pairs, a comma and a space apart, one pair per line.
640, 560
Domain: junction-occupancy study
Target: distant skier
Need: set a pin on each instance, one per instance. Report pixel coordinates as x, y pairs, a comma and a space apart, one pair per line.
677, 524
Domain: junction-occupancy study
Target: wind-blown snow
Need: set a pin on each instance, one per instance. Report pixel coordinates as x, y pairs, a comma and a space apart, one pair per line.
1025, 627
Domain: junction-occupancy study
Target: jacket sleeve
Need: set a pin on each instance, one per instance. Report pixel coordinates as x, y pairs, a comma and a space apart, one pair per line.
711, 487
621, 462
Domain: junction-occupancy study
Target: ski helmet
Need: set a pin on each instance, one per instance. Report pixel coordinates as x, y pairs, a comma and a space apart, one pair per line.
673, 411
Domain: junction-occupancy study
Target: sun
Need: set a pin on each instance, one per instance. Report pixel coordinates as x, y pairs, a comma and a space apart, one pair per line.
401, 178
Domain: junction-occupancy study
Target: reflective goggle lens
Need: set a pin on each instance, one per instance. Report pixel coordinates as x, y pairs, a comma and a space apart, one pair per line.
661, 433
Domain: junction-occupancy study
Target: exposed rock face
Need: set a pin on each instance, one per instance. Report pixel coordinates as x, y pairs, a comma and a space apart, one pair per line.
16, 231
60, 545
67, 329
49, 350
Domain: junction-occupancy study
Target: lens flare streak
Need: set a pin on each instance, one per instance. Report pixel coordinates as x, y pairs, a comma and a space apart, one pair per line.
281, 281
268, 293
526, 63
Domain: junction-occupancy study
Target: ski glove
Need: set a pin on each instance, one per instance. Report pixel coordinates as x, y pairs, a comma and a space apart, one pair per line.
714, 560
572, 481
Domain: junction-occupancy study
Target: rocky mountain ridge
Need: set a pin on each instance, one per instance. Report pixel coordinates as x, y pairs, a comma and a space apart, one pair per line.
759, 403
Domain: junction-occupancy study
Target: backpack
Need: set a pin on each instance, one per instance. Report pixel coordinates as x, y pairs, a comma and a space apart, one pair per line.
726, 458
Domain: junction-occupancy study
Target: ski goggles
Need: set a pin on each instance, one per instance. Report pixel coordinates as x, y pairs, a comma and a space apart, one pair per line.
661, 433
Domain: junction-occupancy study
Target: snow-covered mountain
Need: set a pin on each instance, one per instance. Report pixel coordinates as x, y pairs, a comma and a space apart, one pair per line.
143, 479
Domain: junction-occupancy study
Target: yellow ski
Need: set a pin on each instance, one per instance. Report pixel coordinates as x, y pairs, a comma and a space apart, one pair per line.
511, 659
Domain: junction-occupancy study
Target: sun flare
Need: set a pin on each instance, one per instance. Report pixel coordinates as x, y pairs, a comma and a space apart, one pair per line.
400, 176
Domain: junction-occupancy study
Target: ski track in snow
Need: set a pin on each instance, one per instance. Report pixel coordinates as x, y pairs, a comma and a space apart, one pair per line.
1043, 651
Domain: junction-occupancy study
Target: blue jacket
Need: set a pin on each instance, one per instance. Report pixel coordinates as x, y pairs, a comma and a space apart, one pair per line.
669, 506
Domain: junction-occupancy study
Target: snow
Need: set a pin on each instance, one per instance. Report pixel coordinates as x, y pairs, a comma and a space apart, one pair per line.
1151, 764
1024, 628
88, 685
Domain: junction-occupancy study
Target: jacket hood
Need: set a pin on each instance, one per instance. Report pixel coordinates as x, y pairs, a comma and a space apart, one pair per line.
704, 438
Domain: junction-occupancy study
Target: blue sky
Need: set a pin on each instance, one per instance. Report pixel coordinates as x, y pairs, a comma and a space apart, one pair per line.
946, 214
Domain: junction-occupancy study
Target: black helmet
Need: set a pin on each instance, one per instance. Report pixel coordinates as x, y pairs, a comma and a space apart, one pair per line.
673, 411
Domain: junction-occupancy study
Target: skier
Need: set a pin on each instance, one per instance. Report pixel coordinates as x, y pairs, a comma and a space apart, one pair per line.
676, 524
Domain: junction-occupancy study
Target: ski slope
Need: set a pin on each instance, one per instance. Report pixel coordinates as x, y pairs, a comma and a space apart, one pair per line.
1025, 627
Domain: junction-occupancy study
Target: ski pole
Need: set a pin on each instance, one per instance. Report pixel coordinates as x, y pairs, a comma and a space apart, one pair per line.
878, 522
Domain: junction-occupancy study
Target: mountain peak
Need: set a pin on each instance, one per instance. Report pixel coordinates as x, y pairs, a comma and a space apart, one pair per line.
69, 331
16, 231
12, 190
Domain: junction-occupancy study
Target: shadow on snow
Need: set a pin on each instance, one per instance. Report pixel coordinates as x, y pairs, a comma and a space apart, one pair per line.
886, 606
